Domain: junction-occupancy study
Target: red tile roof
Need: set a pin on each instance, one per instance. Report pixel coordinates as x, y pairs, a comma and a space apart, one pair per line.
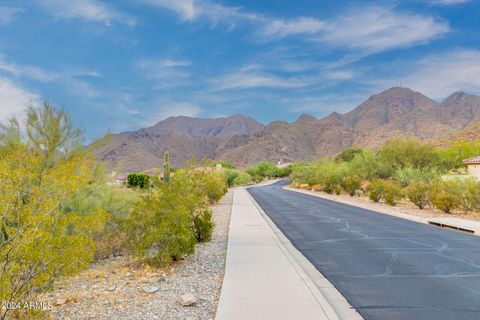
474, 160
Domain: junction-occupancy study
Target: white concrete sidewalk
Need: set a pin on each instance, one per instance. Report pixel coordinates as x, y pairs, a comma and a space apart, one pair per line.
261, 280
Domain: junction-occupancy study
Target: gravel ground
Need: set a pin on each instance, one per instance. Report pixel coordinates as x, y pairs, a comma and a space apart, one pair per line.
403, 207
115, 288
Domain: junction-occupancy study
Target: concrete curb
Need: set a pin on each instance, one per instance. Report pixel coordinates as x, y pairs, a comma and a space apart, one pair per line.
335, 306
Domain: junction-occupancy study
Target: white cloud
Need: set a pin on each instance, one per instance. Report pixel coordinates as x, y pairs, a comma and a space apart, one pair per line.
448, 2
91, 10
178, 109
279, 28
190, 10
7, 14
14, 99
440, 75
31, 72
376, 29
167, 72
184, 8
340, 75
249, 80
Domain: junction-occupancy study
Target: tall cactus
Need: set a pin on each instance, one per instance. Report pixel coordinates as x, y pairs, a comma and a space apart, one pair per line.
166, 168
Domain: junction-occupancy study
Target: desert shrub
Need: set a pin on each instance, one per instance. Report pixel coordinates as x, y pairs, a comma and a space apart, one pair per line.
117, 203
369, 166
392, 192
418, 192
159, 227
351, 183
139, 180
469, 190
445, 195
304, 173
329, 175
243, 178
403, 153
40, 243
231, 176
167, 221
213, 184
263, 169
376, 190
284, 171
405, 176
203, 225
347, 155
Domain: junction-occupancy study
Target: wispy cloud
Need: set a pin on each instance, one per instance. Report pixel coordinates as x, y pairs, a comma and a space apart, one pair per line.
279, 28
7, 14
90, 10
166, 72
376, 29
70, 79
32, 72
14, 98
189, 10
253, 79
178, 109
448, 2
439, 75
368, 28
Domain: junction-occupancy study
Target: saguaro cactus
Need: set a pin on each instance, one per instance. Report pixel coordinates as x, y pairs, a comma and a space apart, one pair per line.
166, 168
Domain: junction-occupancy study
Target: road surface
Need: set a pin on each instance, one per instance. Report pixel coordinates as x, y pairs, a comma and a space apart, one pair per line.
386, 267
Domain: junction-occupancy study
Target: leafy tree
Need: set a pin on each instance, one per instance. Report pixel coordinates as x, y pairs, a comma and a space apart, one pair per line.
243, 178
347, 155
369, 166
263, 170
10, 136
38, 241
406, 176
231, 176
52, 131
402, 153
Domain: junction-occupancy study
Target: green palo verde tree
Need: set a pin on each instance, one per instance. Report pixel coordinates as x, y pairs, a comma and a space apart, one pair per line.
166, 167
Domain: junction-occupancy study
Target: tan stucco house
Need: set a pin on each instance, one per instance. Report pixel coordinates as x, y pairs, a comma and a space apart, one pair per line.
473, 165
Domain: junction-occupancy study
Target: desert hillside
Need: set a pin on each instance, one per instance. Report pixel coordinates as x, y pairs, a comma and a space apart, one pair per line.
244, 141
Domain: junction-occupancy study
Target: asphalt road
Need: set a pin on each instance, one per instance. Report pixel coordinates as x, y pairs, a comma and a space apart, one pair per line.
386, 267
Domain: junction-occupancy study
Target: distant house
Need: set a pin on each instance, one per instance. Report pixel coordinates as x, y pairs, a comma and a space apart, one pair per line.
473, 166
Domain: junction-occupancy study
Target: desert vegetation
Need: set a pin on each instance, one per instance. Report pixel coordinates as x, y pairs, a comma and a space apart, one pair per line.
261, 171
401, 170
58, 214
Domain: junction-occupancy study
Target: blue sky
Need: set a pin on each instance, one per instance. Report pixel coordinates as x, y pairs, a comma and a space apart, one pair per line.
125, 64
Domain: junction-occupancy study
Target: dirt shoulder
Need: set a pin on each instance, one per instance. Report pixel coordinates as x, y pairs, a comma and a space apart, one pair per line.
117, 288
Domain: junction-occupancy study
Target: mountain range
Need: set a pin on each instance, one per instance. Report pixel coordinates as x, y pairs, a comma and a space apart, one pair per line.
243, 141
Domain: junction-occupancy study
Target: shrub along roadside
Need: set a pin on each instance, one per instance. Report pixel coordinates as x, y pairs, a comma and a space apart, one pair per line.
401, 168
40, 240
139, 180
168, 220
